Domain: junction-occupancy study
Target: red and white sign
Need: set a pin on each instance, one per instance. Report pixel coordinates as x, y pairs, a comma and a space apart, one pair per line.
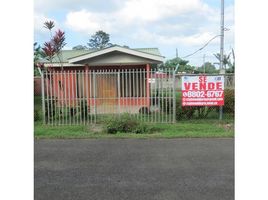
202, 90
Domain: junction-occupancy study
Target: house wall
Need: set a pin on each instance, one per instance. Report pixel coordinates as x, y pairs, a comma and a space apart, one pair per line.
37, 86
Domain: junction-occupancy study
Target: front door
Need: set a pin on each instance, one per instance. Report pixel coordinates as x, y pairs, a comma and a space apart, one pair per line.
106, 89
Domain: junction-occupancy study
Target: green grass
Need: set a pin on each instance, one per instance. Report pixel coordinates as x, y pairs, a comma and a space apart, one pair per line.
182, 129
185, 129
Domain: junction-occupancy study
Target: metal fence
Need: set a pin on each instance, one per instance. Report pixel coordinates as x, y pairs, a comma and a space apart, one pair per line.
91, 96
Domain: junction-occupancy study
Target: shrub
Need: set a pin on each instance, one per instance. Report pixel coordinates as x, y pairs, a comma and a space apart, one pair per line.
203, 111
125, 124
37, 115
229, 101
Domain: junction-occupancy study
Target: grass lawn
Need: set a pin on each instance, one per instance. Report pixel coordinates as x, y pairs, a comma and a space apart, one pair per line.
193, 128
185, 128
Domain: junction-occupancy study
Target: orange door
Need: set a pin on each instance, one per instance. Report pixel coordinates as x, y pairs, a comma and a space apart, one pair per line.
106, 89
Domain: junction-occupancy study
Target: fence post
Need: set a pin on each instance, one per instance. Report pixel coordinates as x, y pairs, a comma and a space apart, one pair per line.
174, 97
221, 108
94, 95
43, 95
118, 91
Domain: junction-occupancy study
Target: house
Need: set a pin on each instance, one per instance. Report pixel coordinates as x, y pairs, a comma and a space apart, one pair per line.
106, 79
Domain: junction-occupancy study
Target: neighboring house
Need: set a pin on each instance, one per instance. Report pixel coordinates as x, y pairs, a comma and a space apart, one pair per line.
114, 75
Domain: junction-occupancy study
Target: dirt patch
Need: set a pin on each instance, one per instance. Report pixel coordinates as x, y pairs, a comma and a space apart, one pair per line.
227, 127
96, 128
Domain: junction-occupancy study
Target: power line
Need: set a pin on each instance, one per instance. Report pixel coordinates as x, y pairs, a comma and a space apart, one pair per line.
201, 47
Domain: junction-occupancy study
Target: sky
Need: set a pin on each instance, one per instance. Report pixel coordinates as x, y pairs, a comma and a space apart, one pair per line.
166, 24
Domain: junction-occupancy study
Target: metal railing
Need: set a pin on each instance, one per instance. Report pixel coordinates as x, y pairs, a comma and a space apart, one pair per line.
91, 96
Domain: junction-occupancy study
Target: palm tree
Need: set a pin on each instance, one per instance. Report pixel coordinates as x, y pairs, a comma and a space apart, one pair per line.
227, 61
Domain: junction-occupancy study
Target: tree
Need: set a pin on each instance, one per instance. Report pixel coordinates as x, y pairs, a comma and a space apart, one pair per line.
80, 47
183, 65
227, 61
38, 54
99, 40
209, 68
56, 43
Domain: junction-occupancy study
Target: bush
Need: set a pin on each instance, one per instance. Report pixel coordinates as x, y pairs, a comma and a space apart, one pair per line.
229, 101
202, 112
125, 124
37, 115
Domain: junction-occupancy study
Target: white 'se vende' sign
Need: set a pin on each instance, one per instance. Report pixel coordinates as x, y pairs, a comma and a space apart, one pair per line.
202, 90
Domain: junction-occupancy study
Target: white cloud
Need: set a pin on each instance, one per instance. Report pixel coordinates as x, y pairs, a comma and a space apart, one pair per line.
162, 23
189, 40
132, 13
83, 21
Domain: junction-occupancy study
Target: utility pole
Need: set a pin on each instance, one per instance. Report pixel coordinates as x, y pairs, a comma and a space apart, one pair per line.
176, 53
222, 71
204, 63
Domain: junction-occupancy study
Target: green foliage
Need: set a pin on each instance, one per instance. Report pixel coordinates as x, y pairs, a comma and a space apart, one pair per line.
80, 47
183, 65
209, 68
203, 112
99, 40
38, 54
227, 61
125, 124
37, 115
229, 101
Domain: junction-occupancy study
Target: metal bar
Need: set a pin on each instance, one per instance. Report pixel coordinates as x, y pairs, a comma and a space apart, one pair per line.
170, 96
144, 94
69, 97
50, 97
65, 99
162, 99
87, 101
83, 95
80, 95
72, 97
119, 92
94, 95
90, 95
137, 98
133, 93
156, 99
76, 95
59, 99
137, 92
141, 93
174, 98
61, 88
48, 109
123, 90
43, 96
54, 94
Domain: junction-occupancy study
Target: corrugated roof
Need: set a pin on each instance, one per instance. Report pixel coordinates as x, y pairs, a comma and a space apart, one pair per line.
154, 51
67, 54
